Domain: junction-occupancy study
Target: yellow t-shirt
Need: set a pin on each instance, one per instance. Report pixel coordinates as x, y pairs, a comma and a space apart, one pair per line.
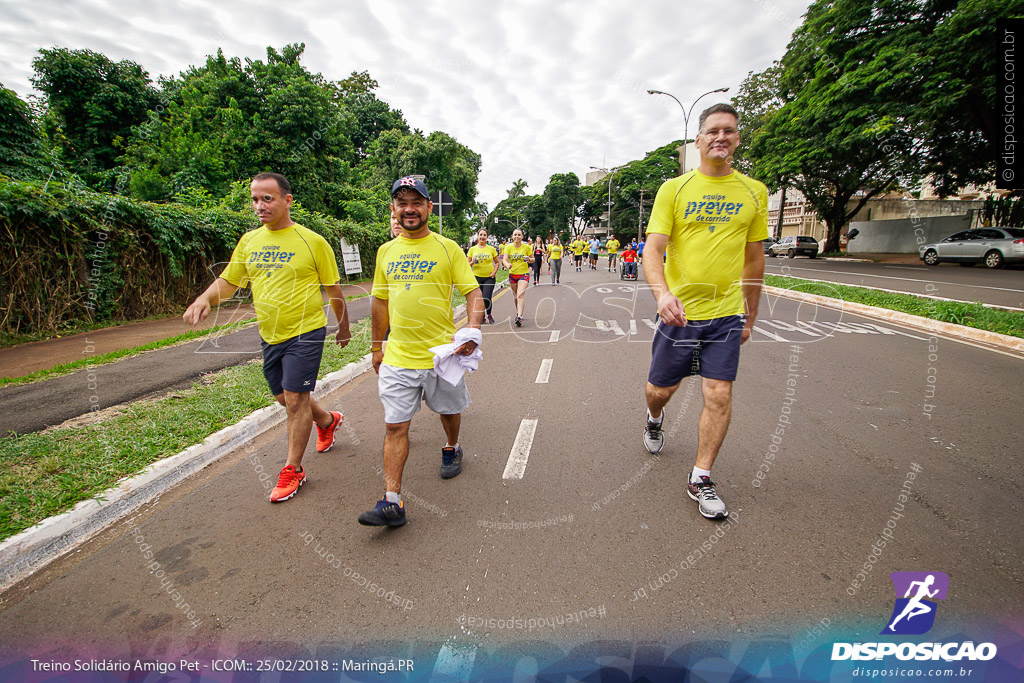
709, 222
519, 259
578, 246
416, 277
286, 268
613, 246
483, 259
555, 252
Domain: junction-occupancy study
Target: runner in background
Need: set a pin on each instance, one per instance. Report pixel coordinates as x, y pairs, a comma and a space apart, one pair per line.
613, 250
577, 253
538, 258
517, 258
555, 260
595, 251
484, 259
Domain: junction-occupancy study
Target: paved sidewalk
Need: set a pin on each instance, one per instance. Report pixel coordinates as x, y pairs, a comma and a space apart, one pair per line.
23, 359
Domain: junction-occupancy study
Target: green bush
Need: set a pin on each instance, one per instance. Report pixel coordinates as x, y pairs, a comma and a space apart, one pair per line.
73, 256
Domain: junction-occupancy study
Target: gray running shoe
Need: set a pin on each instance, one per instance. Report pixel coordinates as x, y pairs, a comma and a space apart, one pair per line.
709, 504
654, 437
451, 461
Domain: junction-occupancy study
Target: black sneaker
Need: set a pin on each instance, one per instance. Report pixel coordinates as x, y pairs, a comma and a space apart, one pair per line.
384, 514
519, 321
654, 437
709, 504
451, 461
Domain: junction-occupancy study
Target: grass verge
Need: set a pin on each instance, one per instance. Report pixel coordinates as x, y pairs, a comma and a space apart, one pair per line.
969, 314
104, 358
46, 473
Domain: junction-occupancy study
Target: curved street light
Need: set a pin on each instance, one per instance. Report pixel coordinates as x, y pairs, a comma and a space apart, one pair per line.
686, 114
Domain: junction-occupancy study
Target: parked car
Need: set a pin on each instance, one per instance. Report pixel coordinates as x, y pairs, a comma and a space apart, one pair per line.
991, 246
794, 245
768, 244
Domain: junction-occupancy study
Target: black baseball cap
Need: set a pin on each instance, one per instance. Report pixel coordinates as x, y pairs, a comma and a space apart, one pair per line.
411, 182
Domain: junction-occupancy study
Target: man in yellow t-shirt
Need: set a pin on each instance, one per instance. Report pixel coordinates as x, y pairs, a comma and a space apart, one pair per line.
555, 259
613, 251
577, 253
412, 291
711, 223
286, 264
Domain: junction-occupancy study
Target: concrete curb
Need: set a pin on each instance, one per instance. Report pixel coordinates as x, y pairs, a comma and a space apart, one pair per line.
1002, 341
36, 547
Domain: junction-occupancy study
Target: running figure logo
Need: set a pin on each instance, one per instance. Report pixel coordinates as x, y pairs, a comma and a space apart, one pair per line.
914, 613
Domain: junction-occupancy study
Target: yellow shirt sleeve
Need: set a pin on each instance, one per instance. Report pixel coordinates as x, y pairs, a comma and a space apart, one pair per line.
236, 272
380, 283
662, 215
326, 263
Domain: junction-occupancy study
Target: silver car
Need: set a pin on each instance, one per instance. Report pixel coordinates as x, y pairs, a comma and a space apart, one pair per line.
991, 246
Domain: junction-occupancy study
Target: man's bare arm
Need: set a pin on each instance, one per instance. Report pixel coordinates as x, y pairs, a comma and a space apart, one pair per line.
670, 308
217, 292
337, 301
753, 279
379, 326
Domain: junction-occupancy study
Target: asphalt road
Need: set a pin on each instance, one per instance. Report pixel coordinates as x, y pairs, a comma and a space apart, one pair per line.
596, 527
31, 407
1003, 287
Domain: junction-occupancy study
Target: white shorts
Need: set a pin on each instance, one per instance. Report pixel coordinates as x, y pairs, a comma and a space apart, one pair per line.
402, 389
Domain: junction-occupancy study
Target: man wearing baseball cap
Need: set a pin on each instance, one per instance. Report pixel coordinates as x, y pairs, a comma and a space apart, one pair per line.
412, 292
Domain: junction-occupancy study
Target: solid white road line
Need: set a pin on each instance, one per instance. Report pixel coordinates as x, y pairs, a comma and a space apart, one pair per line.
515, 468
545, 371
903, 279
632, 327
554, 336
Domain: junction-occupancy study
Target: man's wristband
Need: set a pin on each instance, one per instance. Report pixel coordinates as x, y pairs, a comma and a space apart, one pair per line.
379, 348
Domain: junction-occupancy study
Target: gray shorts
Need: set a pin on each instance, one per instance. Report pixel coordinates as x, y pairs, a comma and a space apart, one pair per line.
402, 389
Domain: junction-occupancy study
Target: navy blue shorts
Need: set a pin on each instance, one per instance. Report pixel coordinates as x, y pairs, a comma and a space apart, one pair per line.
294, 363
709, 348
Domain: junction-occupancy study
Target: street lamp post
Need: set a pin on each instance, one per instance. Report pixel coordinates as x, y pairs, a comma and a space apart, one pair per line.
686, 114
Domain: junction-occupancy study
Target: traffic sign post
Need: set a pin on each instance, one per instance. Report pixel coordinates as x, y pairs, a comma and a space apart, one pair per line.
442, 207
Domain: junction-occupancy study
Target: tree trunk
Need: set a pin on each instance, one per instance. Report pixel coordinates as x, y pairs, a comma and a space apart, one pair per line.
834, 223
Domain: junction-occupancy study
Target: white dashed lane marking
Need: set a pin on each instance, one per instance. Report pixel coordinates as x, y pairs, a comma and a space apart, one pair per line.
545, 371
516, 466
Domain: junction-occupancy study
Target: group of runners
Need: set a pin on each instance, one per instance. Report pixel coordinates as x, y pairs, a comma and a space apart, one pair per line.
707, 293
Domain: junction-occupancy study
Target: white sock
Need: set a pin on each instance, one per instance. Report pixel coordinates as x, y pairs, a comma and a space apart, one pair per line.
392, 497
448, 445
698, 473
656, 420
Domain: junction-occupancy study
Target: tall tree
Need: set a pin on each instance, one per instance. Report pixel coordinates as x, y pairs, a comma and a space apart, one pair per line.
518, 189
878, 94
94, 102
561, 202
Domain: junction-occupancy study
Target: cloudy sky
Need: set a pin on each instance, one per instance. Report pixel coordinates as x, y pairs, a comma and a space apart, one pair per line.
536, 88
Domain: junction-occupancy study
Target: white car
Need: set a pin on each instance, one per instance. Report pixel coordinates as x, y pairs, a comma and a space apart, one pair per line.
991, 246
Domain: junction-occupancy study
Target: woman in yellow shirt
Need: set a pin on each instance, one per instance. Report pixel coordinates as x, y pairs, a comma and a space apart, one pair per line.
555, 259
484, 259
518, 257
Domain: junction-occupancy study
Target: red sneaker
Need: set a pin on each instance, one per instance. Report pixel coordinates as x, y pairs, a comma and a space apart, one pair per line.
325, 437
287, 484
